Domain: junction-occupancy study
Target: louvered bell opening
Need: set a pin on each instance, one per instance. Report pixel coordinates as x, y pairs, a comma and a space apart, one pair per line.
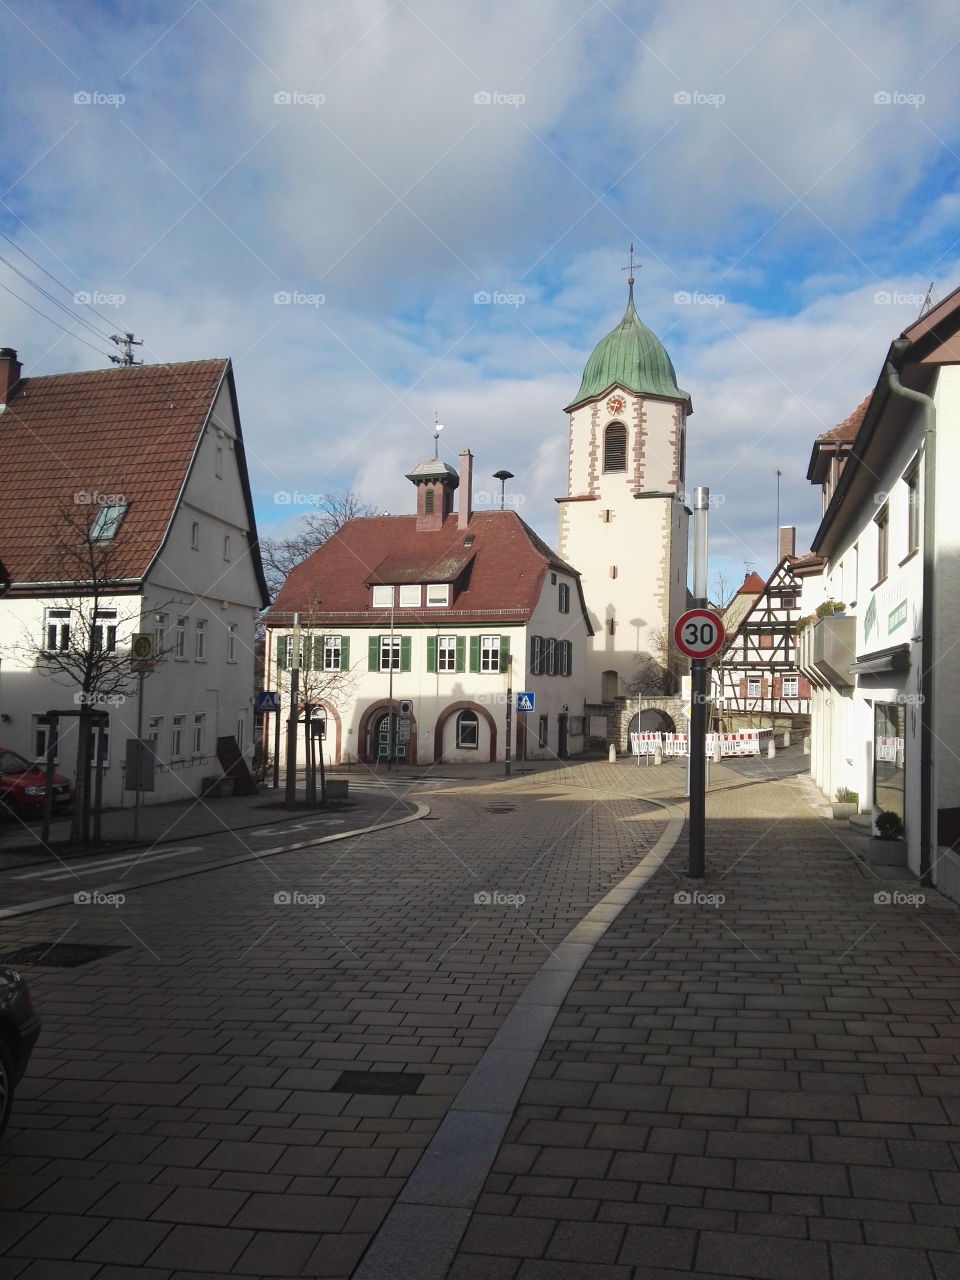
615, 447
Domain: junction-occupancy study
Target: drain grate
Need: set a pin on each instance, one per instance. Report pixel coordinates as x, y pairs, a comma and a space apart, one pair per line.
379, 1082
501, 808
60, 955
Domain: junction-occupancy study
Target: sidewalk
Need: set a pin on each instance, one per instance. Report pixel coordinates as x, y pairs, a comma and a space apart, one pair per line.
753, 1075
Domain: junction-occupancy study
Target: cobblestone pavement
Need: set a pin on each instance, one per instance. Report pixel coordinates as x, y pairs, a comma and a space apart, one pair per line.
180, 1116
763, 1086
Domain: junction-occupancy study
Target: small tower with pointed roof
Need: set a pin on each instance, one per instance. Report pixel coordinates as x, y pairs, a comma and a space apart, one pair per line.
623, 522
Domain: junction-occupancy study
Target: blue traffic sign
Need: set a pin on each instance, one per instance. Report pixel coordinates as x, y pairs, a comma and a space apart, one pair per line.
268, 700
526, 701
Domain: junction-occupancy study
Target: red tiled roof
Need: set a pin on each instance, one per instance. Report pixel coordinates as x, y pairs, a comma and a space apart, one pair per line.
753, 584
125, 431
504, 575
846, 431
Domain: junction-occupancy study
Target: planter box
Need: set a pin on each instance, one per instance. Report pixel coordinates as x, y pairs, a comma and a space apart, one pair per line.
844, 809
887, 853
338, 789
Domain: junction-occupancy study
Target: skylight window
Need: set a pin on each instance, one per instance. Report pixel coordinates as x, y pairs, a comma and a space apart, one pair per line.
107, 521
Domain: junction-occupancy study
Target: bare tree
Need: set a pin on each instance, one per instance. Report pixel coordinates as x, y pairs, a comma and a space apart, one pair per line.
83, 619
280, 555
656, 672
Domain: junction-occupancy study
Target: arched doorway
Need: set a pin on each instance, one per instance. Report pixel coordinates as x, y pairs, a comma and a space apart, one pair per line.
373, 735
652, 720
465, 709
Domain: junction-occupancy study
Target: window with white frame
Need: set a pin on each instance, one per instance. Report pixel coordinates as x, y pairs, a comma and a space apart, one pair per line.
912, 482
438, 594
199, 726
468, 730
241, 728
226, 546
446, 653
154, 734
232, 642
41, 740
753, 686
200, 640
159, 634
176, 737
536, 655
180, 639
107, 521
563, 597
195, 535
791, 686
390, 653
57, 630
882, 521
489, 653
382, 597
103, 634
565, 657
331, 653
551, 658
410, 595
95, 735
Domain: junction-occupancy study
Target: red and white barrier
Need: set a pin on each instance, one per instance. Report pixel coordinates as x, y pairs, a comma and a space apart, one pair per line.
745, 742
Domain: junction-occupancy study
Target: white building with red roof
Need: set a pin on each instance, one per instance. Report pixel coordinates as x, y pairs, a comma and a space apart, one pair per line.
420, 631
142, 469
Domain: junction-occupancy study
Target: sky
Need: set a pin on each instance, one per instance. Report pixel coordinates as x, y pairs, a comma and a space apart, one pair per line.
388, 212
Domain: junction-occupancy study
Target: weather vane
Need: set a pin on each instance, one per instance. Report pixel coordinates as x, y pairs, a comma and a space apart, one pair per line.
630, 268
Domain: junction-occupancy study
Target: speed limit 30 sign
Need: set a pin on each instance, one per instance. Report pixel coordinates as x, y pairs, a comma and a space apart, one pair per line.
698, 633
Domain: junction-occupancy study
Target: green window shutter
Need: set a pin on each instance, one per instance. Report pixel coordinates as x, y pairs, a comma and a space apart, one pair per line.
317, 655
569, 657
306, 646
283, 645
504, 652
474, 653
344, 653
373, 653
431, 653
404, 653
461, 653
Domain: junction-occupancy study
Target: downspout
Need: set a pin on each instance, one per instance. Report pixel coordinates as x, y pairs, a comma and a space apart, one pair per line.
928, 616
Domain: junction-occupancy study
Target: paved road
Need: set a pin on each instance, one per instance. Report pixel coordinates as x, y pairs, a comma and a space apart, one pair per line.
181, 1115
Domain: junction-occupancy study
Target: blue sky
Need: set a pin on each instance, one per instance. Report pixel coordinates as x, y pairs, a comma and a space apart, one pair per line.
791, 168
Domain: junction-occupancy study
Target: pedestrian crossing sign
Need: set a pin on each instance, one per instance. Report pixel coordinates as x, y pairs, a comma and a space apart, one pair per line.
525, 701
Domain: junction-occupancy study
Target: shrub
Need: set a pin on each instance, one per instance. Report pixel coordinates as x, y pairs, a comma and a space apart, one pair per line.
846, 796
890, 826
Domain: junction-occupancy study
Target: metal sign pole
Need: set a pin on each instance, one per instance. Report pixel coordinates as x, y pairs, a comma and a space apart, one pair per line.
290, 797
136, 794
698, 694
276, 745
507, 762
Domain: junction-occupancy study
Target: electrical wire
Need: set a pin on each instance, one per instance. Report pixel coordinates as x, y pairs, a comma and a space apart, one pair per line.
51, 276
70, 332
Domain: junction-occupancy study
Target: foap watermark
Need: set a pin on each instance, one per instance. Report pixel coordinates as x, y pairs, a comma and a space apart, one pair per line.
713, 499
94, 498
494, 898
294, 898
84, 699
96, 898
297, 498
296, 298
894, 298
494, 98
484, 498
895, 898
483, 298
96, 298
694, 98
695, 898
685, 298
296, 98
94, 98
896, 98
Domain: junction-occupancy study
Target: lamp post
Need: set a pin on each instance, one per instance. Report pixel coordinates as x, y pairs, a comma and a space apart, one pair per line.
291, 787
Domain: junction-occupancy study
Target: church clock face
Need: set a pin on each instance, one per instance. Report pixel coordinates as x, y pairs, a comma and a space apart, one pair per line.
616, 404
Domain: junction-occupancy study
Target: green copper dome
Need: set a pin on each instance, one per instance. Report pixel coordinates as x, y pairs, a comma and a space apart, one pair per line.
632, 357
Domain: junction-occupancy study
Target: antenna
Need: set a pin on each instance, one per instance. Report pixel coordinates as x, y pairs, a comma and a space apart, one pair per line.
126, 345
437, 428
930, 301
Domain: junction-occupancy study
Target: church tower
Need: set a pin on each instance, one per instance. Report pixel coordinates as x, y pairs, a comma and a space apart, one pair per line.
623, 522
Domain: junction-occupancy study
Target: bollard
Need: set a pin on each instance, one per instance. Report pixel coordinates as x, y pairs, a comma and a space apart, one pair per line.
612, 756
806, 746
658, 753
716, 750
786, 737
771, 748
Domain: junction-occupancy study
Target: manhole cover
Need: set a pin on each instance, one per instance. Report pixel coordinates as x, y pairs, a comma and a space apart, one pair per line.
60, 955
380, 1082
501, 808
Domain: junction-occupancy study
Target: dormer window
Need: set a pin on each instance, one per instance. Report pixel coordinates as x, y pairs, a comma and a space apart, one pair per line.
410, 596
382, 597
107, 521
438, 594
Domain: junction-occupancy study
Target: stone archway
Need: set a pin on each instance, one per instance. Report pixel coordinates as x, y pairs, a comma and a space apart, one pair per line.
652, 720
453, 709
366, 747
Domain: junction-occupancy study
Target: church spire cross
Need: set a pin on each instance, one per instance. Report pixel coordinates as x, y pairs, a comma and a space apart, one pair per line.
630, 267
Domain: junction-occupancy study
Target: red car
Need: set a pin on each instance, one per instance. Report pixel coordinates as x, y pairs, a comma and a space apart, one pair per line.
23, 785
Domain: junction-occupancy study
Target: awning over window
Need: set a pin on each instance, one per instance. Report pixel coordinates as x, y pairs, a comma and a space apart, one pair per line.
881, 661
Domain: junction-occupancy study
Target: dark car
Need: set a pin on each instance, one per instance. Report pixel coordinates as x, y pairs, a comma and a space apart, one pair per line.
19, 1028
23, 785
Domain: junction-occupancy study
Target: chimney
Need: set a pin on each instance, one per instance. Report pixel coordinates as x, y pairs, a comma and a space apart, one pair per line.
788, 540
466, 489
10, 368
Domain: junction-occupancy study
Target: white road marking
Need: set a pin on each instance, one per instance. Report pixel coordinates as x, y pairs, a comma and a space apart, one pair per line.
63, 873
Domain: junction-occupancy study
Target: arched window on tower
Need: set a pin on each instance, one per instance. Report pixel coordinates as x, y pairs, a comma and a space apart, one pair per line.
615, 447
